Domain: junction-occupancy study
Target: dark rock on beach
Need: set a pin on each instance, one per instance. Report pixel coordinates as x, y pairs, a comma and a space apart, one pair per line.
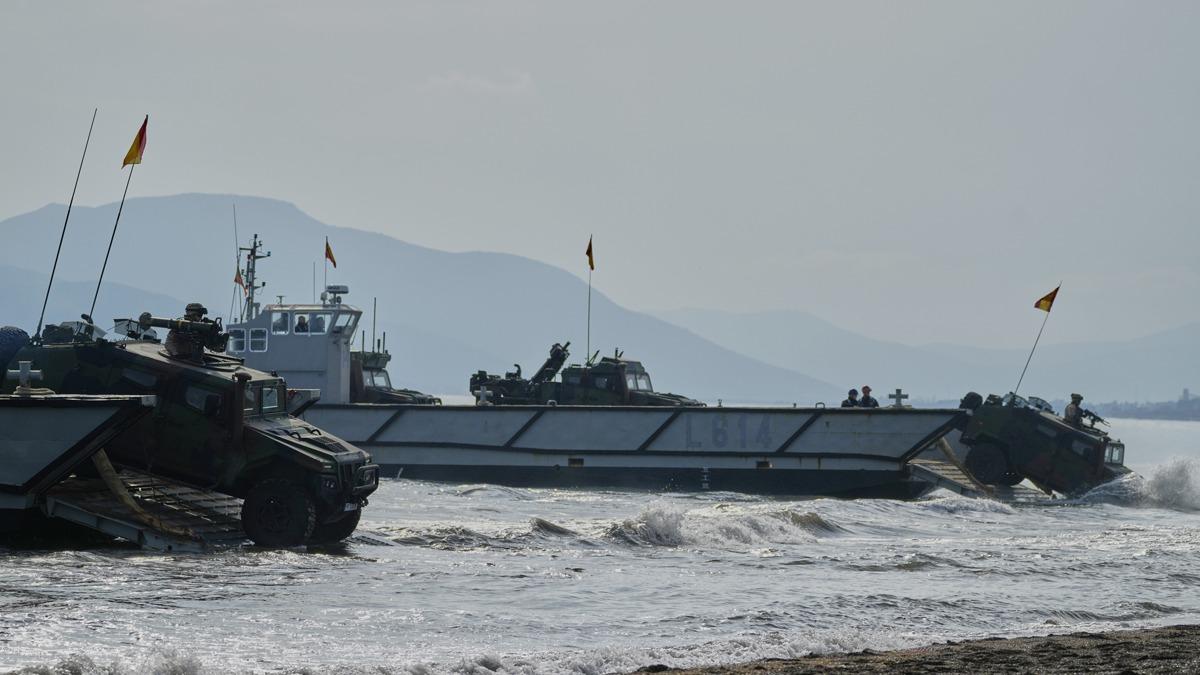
1174, 649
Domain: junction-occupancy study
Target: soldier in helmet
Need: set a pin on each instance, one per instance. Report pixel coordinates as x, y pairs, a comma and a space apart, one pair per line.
851, 399
1073, 414
185, 345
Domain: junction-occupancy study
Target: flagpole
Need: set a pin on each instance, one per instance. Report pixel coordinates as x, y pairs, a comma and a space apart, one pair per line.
1035, 344
41, 317
588, 355
110, 242
326, 262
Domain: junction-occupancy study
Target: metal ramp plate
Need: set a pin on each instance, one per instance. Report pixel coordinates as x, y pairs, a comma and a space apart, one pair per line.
193, 519
944, 474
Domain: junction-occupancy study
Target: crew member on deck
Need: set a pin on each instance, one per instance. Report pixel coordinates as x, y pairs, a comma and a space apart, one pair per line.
867, 401
851, 399
1074, 412
302, 324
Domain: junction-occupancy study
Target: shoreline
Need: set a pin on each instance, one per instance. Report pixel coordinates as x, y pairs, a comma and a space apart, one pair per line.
1169, 649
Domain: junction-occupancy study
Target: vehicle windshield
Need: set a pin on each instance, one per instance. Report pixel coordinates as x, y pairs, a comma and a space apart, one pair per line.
265, 398
638, 382
378, 379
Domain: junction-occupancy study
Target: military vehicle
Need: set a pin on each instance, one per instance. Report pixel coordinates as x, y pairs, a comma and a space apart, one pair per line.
216, 423
613, 380
1012, 438
370, 382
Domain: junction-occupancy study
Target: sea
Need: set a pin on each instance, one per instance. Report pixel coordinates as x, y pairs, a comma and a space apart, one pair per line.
489, 579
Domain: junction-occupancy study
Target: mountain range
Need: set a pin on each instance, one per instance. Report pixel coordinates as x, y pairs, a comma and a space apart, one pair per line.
448, 314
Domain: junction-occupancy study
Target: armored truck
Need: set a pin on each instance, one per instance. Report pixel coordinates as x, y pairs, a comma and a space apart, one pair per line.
1012, 438
613, 380
217, 424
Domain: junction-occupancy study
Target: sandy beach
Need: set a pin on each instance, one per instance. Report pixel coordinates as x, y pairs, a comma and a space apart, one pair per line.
1174, 649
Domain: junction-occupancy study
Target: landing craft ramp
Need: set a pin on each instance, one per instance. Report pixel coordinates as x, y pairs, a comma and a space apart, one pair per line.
44, 439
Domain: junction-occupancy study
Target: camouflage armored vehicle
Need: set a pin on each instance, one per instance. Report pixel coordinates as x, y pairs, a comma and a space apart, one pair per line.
217, 424
612, 381
370, 383
1012, 438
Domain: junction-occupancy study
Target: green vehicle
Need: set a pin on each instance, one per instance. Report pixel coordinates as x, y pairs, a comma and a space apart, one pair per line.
217, 425
1013, 438
611, 381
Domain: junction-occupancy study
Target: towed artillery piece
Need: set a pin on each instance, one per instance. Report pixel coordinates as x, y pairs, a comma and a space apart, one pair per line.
1012, 438
612, 381
216, 424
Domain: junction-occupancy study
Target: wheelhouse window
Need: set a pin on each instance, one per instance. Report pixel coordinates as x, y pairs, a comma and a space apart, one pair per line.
312, 323
344, 322
280, 322
237, 340
258, 339
643, 381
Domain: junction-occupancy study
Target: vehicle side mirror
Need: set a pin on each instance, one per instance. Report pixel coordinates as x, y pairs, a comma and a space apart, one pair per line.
212, 405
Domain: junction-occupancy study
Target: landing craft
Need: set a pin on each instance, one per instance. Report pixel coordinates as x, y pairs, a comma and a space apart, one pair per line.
588, 434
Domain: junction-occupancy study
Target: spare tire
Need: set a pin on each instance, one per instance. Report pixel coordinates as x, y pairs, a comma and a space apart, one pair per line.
12, 340
987, 464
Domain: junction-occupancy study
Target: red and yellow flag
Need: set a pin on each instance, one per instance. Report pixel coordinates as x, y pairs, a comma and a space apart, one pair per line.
1047, 300
134, 156
329, 253
237, 279
591, 260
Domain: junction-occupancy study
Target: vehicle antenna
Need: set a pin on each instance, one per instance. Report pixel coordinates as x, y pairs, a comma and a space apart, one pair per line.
1044, 304
374, 311
133, 158
37, 334
237, 262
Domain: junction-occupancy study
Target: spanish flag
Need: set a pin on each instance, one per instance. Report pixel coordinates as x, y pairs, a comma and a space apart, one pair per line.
1047, 300
237, 279
591, 260
329, 253
134, 156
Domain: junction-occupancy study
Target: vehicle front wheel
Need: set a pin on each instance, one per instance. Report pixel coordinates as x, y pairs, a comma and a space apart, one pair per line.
331, 533
987, 463
1011, 479
278, 512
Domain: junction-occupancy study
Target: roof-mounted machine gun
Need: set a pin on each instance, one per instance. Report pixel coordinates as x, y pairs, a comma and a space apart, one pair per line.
188, 338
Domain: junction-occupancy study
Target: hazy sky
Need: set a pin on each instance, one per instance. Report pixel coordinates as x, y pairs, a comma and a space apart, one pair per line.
921, 171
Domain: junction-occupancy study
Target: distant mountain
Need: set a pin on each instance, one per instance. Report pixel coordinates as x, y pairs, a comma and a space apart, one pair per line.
21, 300
446, 314
1155, 367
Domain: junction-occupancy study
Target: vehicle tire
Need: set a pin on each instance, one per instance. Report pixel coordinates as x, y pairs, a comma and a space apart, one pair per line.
1011, 478
278, 512
331, 533
12, 339
987, 463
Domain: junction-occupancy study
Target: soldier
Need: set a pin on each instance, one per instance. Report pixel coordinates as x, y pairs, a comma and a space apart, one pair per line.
302, 324
184, 345
867, 401
1073, 414
851, 399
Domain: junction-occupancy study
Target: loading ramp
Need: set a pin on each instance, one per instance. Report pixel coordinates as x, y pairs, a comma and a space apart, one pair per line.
173, 516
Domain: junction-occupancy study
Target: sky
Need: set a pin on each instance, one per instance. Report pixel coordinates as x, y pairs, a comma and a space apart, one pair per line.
918, 171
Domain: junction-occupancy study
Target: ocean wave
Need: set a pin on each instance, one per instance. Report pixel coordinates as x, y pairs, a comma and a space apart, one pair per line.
721, 526
1174, 485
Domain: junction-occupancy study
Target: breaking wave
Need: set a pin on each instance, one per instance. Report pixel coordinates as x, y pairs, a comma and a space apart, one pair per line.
1174, 485
721, 526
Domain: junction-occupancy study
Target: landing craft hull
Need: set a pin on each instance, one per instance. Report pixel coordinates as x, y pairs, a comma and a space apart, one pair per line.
782, 451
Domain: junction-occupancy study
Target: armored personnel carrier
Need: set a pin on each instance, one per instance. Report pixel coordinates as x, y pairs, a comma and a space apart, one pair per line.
613, 381
1012, 438
370, 382
216, 424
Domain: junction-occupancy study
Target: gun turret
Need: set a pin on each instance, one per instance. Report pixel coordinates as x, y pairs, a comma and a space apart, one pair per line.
554, 363
206, 333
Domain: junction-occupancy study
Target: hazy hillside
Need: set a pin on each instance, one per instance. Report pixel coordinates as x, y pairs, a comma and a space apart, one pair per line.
1156, 367
446, 314
24, 289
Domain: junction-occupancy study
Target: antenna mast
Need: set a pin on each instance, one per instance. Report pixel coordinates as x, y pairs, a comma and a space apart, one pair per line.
253, 255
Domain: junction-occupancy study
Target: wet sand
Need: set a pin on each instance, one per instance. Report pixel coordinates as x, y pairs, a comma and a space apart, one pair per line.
1174, 649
